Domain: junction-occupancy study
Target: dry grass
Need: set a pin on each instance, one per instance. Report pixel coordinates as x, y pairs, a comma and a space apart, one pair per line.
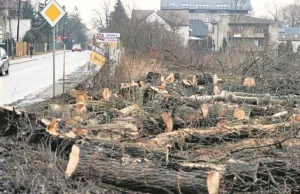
133, 68
28, 169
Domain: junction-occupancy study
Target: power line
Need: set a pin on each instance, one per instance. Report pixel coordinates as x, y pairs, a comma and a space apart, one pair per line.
3, 15
39, 26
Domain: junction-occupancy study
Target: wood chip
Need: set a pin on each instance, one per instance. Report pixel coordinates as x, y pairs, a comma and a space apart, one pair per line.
205, 110
167, 118
128, 85
170, 78
213, 182
106, 94
239, 114
130, 109
249, 82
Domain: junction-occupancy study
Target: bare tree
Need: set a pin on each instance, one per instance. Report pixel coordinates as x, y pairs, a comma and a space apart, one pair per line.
287, 16
101, 20
273, 10
290, 15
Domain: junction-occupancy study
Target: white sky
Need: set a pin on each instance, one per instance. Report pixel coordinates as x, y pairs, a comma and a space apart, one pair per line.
87, 7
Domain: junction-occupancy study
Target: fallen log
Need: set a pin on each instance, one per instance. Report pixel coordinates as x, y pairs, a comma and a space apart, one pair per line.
227, 96
215, 135
136, 168
119, 129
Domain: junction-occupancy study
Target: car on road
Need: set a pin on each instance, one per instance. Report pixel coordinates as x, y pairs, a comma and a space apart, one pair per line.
4, 63
76, 47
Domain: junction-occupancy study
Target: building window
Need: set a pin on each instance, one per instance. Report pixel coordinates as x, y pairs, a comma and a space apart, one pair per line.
197, 16
221, 6
238, 29
202, 6
213, 30
202, 17
259, 29
172, 4
185, 6
258, 42
207, 18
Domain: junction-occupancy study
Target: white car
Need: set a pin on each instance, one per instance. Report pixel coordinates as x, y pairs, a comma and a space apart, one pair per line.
4, 63
76, 47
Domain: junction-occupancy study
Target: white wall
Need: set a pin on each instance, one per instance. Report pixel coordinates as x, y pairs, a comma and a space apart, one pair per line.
156, 18
183, 31
25, 25
221, 31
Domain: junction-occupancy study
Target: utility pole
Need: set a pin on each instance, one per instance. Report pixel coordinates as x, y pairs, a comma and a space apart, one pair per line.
18, 28
6, 33
12, 43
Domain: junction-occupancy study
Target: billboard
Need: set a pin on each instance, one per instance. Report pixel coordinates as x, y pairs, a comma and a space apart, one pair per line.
97, 56
107, 37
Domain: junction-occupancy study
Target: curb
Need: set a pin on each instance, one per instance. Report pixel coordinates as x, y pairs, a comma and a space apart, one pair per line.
33, 59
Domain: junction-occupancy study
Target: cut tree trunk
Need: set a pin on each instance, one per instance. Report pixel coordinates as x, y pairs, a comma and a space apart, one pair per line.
136, 168
10, 119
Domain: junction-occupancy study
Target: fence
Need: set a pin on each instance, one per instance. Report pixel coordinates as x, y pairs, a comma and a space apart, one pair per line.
21, 49
57, 46
39, 48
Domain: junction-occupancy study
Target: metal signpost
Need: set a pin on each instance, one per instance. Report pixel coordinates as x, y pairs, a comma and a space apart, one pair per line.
1, 33
53, 13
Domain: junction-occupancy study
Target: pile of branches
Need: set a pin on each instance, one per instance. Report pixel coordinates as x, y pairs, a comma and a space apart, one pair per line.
175, 135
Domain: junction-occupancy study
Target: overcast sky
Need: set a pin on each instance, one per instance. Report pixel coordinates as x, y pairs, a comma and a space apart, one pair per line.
87, 7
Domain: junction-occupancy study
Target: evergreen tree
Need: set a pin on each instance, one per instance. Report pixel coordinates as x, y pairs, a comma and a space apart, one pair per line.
224, 44
289, 47
281, 49
118, 18
298, 49
28, 11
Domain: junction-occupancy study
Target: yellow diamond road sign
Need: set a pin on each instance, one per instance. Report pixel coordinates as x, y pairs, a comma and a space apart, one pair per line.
53, 13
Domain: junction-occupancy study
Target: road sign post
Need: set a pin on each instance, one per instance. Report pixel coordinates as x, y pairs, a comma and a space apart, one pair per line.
64, 73
53, 12
53, 62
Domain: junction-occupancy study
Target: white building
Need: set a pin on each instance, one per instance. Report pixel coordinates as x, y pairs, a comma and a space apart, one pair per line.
25, 25
177, 20
244, 33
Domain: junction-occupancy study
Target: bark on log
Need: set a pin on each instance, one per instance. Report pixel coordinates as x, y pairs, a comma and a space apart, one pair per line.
214, 135
227, 96
128, 166
141, 94
272, 175
119, 129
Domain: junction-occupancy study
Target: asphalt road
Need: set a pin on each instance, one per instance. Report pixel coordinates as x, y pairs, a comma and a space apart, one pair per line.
26, 77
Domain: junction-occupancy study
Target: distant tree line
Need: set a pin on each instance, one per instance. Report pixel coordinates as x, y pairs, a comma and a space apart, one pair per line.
70, 26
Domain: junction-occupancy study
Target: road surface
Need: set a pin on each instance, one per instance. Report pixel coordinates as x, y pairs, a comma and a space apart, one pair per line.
27, 76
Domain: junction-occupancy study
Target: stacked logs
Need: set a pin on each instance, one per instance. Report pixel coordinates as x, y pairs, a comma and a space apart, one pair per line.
181, 135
